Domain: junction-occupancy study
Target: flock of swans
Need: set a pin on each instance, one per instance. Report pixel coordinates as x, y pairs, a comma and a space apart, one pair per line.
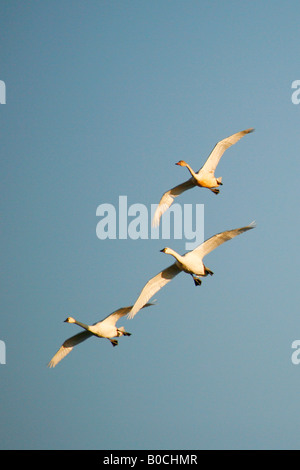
190, 263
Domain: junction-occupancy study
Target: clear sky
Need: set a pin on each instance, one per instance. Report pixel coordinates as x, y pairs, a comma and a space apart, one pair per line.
102, 98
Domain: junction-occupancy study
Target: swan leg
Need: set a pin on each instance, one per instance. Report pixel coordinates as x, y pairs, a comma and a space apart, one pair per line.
214, 190
208, 271
197, 281
114, 342
123, 333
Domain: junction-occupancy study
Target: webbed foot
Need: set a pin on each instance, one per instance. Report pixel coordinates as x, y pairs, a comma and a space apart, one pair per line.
208, 271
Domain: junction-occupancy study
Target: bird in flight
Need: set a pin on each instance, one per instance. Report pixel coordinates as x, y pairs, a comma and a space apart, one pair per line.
204, 178
105, 328
191, 263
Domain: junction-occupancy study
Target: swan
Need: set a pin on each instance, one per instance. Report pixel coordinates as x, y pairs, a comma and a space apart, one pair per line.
103, 329
205, 177
191, 263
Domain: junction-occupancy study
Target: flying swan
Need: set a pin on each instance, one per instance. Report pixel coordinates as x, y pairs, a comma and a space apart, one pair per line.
103, 329
205, 177
191, 263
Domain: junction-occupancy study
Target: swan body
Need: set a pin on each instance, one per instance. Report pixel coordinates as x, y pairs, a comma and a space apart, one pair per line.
204, 178
102, 329
191, 263
106, 328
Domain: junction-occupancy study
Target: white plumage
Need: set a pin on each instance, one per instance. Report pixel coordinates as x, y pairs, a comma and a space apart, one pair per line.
105, 328
191, 263
204, 178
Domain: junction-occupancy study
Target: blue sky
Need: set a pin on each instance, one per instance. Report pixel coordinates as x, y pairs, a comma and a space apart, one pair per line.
102, 98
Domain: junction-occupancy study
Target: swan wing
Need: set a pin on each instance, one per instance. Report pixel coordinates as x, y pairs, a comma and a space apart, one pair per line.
217, 240
218, 150
115, 316
168, 198
152, 286
67, 347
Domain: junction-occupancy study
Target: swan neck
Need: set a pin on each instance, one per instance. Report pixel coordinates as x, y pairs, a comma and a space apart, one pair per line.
173, 253
191, 170
82, 325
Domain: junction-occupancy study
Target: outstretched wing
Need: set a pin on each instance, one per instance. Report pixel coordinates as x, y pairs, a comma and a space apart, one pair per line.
217, 240
217, 152
168, 198
114, 317
152, 286
67, 347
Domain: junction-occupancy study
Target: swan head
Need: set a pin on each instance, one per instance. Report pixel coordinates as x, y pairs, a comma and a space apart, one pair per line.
69, 320
165, 250
181, 163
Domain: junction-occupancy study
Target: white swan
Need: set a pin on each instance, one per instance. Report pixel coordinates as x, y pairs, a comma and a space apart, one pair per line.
103, 329
204, 178
191, 263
